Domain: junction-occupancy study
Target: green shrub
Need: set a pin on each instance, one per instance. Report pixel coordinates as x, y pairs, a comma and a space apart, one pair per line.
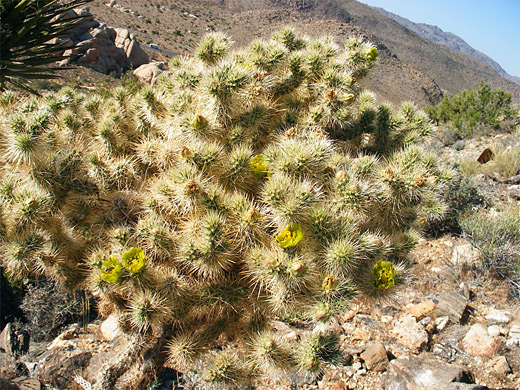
247, 185
496, 234
467, 110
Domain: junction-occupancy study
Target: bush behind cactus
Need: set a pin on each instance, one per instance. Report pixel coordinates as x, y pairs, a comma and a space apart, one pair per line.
246, 185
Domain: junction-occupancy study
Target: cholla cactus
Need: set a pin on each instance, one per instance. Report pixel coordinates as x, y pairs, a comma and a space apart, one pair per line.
246, 186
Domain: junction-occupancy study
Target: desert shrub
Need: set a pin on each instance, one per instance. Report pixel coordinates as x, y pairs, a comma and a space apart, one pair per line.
496, 234
48, 308
467, 110
459, 145
247, 185
447, 136
462, 196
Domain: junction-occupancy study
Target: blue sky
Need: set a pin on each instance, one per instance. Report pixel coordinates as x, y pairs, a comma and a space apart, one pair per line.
490, 26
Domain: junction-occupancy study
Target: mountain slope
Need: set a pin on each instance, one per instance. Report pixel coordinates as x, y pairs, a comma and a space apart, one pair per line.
450, 40
410, 67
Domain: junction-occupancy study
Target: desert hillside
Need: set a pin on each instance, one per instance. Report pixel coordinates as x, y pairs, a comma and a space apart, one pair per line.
410, 67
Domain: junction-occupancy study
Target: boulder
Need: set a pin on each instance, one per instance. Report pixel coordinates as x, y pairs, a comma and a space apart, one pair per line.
14, 341
100, 47
150, 72
121, 35
421, 373
136, 55
58, 368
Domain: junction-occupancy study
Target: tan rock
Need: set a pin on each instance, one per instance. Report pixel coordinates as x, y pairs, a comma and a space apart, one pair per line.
122, 35
25, 383
421, 309
110, 328
410, 334
478, 342
499, 365
464, 253
375, 357
150, 72
136, 55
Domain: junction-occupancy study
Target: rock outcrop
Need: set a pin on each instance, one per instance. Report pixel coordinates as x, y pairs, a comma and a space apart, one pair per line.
101, 47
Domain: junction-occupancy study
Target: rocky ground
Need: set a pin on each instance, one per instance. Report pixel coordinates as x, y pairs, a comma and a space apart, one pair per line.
454, 327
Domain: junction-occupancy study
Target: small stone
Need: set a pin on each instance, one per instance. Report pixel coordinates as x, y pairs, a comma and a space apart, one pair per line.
110, 328
478, 342
357, 366
375, 357
410, 334
425, 321
386, 319
516, 316
464, 253
494, 330
451, 304
360, 334
333, 380
421, 309
499, 365
512, 341
71, 332
514, 331
441, 322
499, 317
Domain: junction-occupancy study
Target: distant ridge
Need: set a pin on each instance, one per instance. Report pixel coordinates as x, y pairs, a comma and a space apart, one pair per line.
450, 40
409, 66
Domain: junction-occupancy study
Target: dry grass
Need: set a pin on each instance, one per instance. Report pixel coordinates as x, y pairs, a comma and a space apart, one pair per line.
506, 161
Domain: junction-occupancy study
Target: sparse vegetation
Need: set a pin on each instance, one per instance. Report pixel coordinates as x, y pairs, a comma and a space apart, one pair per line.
506, 162
462, 197
48, 308
496, 234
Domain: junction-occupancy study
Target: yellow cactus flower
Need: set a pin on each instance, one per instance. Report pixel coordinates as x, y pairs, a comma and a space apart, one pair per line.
133, 260
259, 166
110, 270
384, 275
290, 236
372, 54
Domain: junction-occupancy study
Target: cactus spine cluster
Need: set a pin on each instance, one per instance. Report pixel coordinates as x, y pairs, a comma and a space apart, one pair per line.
245, 186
